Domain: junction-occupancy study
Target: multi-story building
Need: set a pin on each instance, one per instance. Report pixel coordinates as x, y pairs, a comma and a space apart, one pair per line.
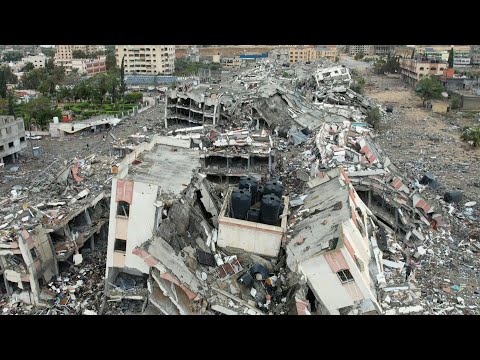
12, 138
361, 49
301, 54
433, 54
63, 57
38, 61
231, 62
340, 261
413, 70
279, 54
90, 66
88, 49
146, 59
140, 198
326, 52
383, 50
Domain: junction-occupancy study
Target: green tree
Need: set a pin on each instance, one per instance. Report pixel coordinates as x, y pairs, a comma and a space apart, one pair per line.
429, 88
41, 110
373, 116
48, 52
358, 56
133, 97
79, 54
28, 66
12, 56
11, 104
33, 79
110, 61
122, 86
3, 85
450, 58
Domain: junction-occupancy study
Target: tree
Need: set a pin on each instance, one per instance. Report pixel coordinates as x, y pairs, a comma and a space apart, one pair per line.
472, 134
48, 52
28, 66
122, 77
373, 116
450, 58
79, 54
413, 53
12, 56
10, 103
110, 61
3, 85
429, 88
41, 110
358, 56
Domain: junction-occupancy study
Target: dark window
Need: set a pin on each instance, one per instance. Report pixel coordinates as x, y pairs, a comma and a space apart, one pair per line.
345, 276
120, 245
433, 68
123, 208
421, 68
22, 139
10, 145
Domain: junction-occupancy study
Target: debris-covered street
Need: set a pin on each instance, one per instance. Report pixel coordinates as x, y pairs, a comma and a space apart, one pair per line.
269, 193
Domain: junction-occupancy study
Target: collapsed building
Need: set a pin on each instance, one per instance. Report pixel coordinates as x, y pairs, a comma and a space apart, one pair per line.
46, 226
262, 197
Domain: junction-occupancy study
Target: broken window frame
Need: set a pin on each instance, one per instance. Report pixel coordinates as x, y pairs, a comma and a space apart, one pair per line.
345, 276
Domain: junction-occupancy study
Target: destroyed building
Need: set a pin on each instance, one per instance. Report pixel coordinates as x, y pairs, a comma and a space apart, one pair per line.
146, 182
12, 138
333, 245
47, 225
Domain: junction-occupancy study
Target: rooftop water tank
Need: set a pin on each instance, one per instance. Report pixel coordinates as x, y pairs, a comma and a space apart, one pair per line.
249, 182
270, 209
273, 187
240, 203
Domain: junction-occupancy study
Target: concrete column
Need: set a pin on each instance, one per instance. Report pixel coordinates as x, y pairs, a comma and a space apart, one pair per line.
92, 242
55, 262
248, 167
165, 115
214, 114
87, 217
258, 124
369, 198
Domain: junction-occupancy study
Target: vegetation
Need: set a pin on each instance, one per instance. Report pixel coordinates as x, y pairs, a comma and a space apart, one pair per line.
6, 77
39, 111
429, 88
12, 56
389, 65
373, 117
186, 68
450, 58
455, 102
358, 82
472, 134
359, 56
413, 53
48, 52
79, 54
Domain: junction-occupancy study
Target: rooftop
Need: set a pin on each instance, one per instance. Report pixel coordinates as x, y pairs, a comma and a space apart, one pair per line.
328, 208
166, 166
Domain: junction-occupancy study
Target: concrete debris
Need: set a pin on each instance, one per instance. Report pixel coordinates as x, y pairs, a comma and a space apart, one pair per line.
359, 235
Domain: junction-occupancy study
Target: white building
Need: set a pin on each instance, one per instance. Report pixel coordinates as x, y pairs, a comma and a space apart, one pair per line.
146, 59
38, 61
334, 247
138, 196
12, 138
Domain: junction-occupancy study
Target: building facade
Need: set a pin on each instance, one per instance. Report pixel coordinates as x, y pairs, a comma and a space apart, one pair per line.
279, 54
89, 66
38, 61
326, 52
301, 54
12, 138
384, 50
413, 70
361, 49
231, 62
146, 59
139, 198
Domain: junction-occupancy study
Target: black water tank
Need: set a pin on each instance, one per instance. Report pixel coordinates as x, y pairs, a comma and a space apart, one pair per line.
260, 190
253, 215
273, 187
249, 182
241, 200
270, 209
453, 196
